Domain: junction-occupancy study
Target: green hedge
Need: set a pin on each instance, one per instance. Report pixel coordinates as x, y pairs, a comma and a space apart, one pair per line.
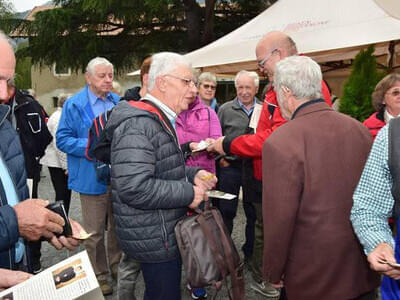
356, 99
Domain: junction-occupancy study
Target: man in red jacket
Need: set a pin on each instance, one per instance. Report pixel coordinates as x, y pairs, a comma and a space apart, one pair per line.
272, 48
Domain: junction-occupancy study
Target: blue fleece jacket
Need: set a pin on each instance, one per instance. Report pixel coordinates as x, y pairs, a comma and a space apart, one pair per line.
72, 137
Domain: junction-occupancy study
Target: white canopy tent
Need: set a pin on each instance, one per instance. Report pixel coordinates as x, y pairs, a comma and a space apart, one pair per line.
323, 29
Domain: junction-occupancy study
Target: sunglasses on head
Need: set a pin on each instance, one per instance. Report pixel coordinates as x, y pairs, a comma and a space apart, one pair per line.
209, 86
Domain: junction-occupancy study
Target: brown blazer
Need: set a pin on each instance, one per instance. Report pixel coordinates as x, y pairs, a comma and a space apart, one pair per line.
311, 166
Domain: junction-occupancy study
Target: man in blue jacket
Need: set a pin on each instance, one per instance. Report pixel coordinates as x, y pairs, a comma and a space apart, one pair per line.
19, 219
72, 137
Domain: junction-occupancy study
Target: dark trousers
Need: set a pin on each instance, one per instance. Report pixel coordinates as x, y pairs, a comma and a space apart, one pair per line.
35, 181
60, 184
34, 247
162, 280
230, 180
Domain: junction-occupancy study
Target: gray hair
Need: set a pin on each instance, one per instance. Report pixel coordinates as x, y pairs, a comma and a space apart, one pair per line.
96, 62
62, 98
162, 63
253, 75
301, 75
207, 76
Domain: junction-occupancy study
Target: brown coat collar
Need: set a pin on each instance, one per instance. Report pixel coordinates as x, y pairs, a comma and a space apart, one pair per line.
311, 107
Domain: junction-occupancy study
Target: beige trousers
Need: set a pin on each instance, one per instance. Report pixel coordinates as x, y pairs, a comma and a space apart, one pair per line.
96, 214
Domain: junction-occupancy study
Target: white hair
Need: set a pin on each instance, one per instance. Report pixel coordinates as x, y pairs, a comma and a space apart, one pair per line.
301, 75
162, 63
96, 62
253, 75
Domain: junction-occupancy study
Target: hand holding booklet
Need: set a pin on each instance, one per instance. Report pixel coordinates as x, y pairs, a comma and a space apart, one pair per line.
72, 278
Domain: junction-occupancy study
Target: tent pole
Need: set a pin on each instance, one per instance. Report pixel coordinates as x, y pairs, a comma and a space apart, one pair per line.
391, 56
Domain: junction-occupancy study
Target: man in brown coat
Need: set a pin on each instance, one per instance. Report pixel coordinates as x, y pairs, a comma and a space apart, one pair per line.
311, 166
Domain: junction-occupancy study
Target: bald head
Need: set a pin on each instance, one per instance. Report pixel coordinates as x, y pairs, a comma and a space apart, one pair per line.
7, 65
273, 47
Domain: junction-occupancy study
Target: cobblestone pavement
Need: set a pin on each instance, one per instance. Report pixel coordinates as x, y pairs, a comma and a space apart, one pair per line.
50, 256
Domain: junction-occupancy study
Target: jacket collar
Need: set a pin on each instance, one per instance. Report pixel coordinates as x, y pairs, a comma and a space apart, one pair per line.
4, 111
84, 97
311, 107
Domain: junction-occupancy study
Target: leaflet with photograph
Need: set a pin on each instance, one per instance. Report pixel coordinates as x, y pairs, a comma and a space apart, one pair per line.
73, 278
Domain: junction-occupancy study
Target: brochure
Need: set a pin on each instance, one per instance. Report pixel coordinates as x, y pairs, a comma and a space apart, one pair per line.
72, 278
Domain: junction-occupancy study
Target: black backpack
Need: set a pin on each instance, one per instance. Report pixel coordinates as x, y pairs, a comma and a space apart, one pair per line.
31, 121
98, 148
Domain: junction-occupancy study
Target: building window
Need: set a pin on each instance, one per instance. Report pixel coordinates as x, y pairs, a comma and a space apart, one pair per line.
61, 70
55, 101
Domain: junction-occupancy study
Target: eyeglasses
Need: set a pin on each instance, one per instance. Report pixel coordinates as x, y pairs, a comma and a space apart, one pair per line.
394, 93
9, 81
209, 86
262, 62
186, 81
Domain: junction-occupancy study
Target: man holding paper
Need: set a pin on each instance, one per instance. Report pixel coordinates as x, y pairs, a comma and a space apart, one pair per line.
19, 219
151, 186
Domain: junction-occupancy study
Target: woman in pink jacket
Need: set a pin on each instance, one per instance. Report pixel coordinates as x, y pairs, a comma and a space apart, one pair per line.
198, 123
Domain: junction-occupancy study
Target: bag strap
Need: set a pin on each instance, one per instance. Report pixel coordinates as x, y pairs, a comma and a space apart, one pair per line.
216, 252
237, 274
165, 119
394, 163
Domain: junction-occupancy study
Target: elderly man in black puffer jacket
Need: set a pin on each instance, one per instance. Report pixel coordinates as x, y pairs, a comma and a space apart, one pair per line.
151, 186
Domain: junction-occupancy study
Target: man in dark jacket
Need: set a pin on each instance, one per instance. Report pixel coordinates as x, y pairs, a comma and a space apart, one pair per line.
309, 243
233, 172
29, 118
28, 219
151, 186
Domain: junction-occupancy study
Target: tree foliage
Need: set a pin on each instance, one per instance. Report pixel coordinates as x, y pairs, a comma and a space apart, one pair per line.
356, 99
124, 31
6, 13
23, 70
6, 8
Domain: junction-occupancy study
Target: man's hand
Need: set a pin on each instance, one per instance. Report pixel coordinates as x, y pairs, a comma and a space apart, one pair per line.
199, 196
71, 243
383, 252
205, 180
217, 146
10, 278
193, 146
35, 220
